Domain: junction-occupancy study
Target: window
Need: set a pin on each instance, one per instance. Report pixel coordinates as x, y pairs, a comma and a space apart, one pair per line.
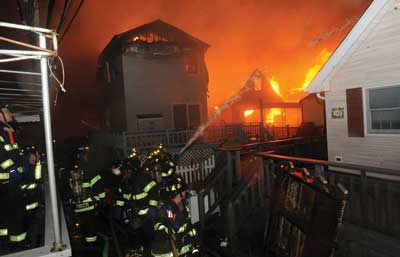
186, 116
383, 110
190, 64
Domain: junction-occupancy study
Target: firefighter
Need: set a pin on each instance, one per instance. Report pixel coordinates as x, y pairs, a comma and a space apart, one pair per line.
13, 210
32, 185
87, 194
174, 233
139, 199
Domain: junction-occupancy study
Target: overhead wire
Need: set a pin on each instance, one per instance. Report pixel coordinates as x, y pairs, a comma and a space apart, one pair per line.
64, 13
72, 20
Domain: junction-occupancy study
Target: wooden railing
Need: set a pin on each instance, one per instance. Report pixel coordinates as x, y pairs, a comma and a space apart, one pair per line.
212, 135
237, 184
374, 193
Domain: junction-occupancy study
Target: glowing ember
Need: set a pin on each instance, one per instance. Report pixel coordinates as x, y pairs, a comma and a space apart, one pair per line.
135, 38
270, 117
275, 86
247, 113
312, 72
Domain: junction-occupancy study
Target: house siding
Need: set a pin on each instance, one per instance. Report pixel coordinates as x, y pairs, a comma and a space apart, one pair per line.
372, 63
154, 85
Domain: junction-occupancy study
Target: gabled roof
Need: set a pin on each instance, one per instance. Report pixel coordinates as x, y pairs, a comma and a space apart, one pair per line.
160, 28
321, 81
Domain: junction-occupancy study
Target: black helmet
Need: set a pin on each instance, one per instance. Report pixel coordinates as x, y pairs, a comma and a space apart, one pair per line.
173, 186
79, 156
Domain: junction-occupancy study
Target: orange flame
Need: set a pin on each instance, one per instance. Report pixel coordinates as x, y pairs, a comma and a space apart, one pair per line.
270, 117
312, 72
275, 86
247, 113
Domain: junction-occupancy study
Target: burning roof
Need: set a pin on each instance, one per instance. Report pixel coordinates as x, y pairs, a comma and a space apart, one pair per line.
155, 32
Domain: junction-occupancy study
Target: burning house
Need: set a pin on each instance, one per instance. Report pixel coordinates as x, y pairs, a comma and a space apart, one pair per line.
263, 103
154, 77
362, 93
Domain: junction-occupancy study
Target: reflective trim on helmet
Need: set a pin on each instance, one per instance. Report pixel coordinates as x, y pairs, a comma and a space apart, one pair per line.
120, 203
153, 203
20, 170
38, 171
168, 254
31, 206
4, 175
139, 196
149, 186
84, 209
168, 173
143, 212
86, 184
8, 147
91, 239
102, 195
3, 232
18, 238
126, 196
95, 179
6, 164
185, 249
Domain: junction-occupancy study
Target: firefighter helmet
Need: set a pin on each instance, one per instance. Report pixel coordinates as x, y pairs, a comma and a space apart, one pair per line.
79, 157
132, 162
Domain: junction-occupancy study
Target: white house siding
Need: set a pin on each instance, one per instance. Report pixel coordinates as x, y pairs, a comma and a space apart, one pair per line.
161, 83
373, 62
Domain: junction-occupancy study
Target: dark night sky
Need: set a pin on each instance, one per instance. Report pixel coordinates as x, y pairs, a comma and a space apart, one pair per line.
278, 36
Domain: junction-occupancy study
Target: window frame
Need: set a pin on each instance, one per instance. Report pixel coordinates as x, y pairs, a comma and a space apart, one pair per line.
368, 113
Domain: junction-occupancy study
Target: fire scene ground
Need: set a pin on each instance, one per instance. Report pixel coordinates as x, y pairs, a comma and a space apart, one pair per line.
178, 136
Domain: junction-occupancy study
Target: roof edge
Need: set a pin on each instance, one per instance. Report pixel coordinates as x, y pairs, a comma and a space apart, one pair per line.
320, 82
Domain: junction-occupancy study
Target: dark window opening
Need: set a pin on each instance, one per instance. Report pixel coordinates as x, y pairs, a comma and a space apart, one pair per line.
180, 116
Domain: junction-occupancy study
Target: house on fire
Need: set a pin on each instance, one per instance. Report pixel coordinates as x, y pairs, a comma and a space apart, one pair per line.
361, 81
153, 77
262, 96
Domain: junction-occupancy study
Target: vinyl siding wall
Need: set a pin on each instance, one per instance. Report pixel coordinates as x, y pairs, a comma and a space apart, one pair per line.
373, 62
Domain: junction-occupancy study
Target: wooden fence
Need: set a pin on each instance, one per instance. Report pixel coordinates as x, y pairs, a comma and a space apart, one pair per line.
197, 172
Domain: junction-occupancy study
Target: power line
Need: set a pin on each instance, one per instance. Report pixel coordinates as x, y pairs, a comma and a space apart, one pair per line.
63, 14
72, 20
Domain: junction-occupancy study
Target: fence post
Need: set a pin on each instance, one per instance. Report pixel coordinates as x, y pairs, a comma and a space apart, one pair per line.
200, 200
237, 166
364, 196
231, 226
287, 131
229, 172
